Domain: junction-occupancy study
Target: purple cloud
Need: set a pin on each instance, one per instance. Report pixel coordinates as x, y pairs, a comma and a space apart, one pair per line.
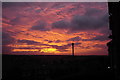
99, 38
83, 47
61, 24
6, 40
88, 22
29, 42
40, 25
93, 11
83, 22
100, 46
74, 39
57, 41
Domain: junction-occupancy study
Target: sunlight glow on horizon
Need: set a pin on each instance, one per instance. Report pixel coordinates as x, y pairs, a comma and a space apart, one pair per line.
49, 50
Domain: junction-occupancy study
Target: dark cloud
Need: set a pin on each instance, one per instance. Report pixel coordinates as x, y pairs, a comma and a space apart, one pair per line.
39, 10
5, 20
77, 6
99, 38
75, 39
83, 47
93, 11
6, 40
22, 4
50, 41
57, 41
64, 47
88, 22
16, 21
82, 23
29, 42
57, 5
6, 49
100, 46
46, 40
77, 43
20, 20
40, 25
106, 32
33, 35
61, 24
13, 4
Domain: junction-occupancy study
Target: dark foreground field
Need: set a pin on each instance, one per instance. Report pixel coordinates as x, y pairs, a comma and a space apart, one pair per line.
56, 68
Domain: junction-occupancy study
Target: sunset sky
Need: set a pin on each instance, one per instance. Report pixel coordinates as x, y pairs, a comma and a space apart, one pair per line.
49, 28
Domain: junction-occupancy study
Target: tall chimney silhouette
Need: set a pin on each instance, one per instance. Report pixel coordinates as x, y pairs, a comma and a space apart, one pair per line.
73, 49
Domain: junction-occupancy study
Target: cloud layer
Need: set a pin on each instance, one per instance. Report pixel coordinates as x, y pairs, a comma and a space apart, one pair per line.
82, 23
50, 28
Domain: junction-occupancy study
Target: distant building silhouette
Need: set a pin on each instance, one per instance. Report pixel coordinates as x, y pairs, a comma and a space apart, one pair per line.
73, 49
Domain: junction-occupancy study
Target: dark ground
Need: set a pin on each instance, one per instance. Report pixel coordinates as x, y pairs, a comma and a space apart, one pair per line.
56, 68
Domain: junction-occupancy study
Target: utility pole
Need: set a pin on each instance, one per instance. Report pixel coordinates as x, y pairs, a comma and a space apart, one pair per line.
73, 49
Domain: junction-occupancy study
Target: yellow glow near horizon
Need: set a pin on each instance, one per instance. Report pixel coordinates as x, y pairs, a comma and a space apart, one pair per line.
50, 50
